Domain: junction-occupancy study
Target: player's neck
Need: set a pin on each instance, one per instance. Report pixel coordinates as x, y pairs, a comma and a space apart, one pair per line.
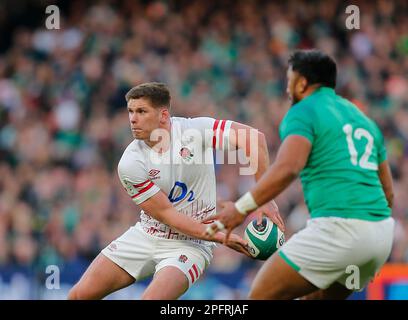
162, 144
311, 89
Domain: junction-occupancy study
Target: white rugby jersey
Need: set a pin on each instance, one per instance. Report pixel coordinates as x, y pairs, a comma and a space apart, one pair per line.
185, 173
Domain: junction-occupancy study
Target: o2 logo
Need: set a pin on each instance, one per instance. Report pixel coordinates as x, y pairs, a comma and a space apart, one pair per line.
180, 189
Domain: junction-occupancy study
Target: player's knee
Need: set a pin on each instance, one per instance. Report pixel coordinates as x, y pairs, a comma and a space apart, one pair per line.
317, 295
78, 292
157, 294
73, 293
149, 295
146, 297
255, 295
275, 293
258, 293
154, 294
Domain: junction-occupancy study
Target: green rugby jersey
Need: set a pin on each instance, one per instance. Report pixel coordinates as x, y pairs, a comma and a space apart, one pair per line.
340, 178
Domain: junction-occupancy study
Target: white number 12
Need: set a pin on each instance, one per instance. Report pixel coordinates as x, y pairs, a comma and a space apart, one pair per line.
358, 134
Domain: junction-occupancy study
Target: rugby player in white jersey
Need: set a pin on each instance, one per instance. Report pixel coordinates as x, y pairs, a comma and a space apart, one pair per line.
168, 171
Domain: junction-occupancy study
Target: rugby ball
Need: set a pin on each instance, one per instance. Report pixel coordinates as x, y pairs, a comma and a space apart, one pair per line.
264, 239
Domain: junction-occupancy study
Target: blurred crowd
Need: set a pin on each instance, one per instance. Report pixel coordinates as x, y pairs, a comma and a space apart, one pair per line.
64, 125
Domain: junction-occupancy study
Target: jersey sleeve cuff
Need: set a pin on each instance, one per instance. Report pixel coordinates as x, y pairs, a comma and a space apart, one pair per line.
146, 195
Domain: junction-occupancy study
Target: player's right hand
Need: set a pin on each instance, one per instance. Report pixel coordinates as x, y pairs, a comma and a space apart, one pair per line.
235, 242
227, 220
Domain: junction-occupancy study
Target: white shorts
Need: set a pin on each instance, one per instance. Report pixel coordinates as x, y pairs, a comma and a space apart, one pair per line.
348, 251
142, 255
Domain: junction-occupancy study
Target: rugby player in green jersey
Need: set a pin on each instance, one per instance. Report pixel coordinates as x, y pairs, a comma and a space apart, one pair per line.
340, 156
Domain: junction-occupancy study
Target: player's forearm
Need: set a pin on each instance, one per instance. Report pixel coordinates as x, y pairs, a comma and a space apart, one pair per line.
273, 182
386, 182
187, 225
262, 156
253, 143
389, 194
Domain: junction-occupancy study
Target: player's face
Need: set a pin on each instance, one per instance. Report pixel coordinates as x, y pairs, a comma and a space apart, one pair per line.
290, 89
296, 86
143, 118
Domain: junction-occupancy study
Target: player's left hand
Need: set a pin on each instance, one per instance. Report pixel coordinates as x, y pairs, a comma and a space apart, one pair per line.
227, 220
270, 210
238, 244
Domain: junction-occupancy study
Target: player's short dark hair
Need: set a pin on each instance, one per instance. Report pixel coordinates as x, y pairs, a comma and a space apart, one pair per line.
157, 93
315, 66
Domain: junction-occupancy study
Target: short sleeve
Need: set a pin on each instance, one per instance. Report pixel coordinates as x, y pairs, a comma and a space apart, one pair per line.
214, 131
382, 151
134, 179
297, 122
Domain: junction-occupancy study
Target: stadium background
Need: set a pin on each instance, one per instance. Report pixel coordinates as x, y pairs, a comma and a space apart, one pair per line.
63, 123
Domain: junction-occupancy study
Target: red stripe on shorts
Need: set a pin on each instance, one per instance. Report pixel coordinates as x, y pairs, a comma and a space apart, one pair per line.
191, 276
195, 270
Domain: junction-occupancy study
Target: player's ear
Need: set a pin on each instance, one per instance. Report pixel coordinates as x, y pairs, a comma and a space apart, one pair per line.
164, 115
302, 84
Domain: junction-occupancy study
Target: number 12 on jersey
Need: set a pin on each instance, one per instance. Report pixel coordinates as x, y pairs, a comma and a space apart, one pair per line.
358, 134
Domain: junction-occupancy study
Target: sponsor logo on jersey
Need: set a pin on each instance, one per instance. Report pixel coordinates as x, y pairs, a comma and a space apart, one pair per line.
153, 174
179, 192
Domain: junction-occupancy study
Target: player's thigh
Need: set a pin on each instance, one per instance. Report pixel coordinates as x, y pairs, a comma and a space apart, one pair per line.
100, 279
180, 266
278, 280
335, 292
168, 284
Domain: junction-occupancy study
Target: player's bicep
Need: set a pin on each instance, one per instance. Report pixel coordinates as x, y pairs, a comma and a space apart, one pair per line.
241, 136
294, 152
